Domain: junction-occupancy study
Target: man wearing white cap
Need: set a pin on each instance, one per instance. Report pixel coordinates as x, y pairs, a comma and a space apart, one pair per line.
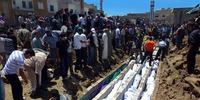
94, 35
105, 44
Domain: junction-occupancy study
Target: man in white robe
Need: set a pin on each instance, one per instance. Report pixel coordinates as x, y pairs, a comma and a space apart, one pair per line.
105, 44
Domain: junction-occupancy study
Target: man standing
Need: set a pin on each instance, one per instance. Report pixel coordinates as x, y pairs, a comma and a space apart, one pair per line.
179, 36
50, 39
55, 23
77, 47
138, 44
117, 37
69, 51
20, 19
61, 53
109, 35
11, 35
15, 62
82, 20
34, 66
149, 47
64, 27
91, 48
24, 37
100, 45
37, 41
94, 35
84, 50
194, 43
73, 18
66, 15
162, 48
105, 45
41, 27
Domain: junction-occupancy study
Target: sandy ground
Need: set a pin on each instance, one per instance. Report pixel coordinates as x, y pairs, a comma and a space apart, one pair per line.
174, 81
75, 86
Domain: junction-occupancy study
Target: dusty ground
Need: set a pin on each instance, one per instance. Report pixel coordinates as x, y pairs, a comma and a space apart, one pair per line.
174, 81
75, 86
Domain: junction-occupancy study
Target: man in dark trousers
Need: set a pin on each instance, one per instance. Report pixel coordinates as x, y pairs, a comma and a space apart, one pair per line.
73, 18
162, 49
14, 64
149, 47
61, 53
77, 46
194, 43
179, 36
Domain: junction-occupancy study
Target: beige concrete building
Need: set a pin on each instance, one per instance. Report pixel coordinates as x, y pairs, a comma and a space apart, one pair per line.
6, 8
75, 6
163, 16
180, 15
167, 16
13, 8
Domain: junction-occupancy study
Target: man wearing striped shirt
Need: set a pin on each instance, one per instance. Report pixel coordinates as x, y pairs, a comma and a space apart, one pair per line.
14, 63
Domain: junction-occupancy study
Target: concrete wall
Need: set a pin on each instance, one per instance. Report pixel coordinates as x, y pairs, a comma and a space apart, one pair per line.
163, 16
38, 10
180, 15
54, 3
168, 16
18, 4
63, 4
76, 8
6, 8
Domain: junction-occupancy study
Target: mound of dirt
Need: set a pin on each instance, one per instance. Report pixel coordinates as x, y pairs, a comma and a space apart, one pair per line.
173, 80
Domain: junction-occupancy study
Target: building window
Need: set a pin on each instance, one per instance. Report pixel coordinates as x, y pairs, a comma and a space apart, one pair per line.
14, 3
51, 8
163, 16
156, 16
23, 4
40, 5
30, 3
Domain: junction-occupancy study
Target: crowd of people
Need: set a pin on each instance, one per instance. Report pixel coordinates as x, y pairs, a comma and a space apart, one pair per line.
43, 42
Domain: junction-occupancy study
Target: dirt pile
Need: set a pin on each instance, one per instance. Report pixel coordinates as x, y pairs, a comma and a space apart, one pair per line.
174, 81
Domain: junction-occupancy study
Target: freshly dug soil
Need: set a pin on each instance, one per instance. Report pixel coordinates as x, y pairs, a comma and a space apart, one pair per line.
174, 83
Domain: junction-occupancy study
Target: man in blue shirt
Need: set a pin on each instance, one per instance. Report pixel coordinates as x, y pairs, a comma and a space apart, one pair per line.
16, 62
51, 40
37, 41
41, 27
162, 48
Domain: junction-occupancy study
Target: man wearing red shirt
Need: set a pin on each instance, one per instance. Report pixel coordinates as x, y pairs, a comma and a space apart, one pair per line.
149, 47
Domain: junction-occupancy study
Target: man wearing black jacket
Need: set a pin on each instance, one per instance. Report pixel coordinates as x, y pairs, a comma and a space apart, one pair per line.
194, 43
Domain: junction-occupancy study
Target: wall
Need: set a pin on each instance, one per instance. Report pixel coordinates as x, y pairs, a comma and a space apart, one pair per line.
163, 16
76, 8
180, 15
18, 4
63, 4
38, 11
55, 5
6, 8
